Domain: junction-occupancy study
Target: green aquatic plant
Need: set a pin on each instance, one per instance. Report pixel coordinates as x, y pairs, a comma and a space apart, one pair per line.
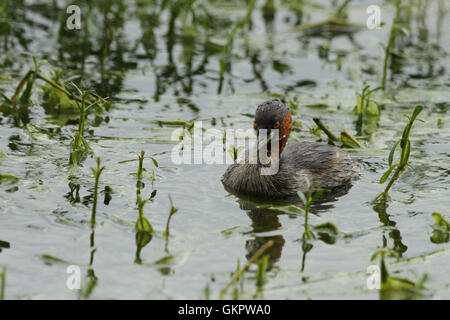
367, 110
92, 280
63, 109
140, 166
139, 174
441, 229
336, 18
260, 276
396, 288
87, 289
3, 283
307, 199
5, 27
97, 172
142, 224
405, 150
30, 78
391, 230
189, 20
79, 146
341, 11
56, 88
236, 292
234, 152
238, 274
327, 231
74, 187
167, 257
297, 7
268, 10
225, 60
396, 29
17, 105
144, 230
172, 211
346, 138
207, 292
49, 259
4, 177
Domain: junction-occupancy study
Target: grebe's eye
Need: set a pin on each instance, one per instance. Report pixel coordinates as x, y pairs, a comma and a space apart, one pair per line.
255, 125
276, 125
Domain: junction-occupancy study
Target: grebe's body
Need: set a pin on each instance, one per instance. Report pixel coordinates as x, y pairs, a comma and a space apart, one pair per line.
325, 166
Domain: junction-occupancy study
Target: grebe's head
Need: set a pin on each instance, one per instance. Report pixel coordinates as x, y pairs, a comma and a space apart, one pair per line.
273, 115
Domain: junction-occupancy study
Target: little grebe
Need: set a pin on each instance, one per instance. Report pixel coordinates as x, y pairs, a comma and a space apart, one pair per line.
325, 166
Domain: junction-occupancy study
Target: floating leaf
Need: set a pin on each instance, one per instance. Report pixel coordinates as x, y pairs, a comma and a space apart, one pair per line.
50, 259
327, 226
441, 222
441, 229
317, 106
385, 252
8, 177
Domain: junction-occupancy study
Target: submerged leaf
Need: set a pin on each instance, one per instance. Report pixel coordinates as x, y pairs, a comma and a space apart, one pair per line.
287, 209
143, 238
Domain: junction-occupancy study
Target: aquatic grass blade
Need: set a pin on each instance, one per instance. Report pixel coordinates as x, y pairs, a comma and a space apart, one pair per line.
388, 173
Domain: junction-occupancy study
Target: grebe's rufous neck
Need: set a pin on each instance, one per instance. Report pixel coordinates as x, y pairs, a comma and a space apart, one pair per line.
324, 165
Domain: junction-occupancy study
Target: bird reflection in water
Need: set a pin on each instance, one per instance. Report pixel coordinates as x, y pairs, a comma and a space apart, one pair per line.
266, 220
